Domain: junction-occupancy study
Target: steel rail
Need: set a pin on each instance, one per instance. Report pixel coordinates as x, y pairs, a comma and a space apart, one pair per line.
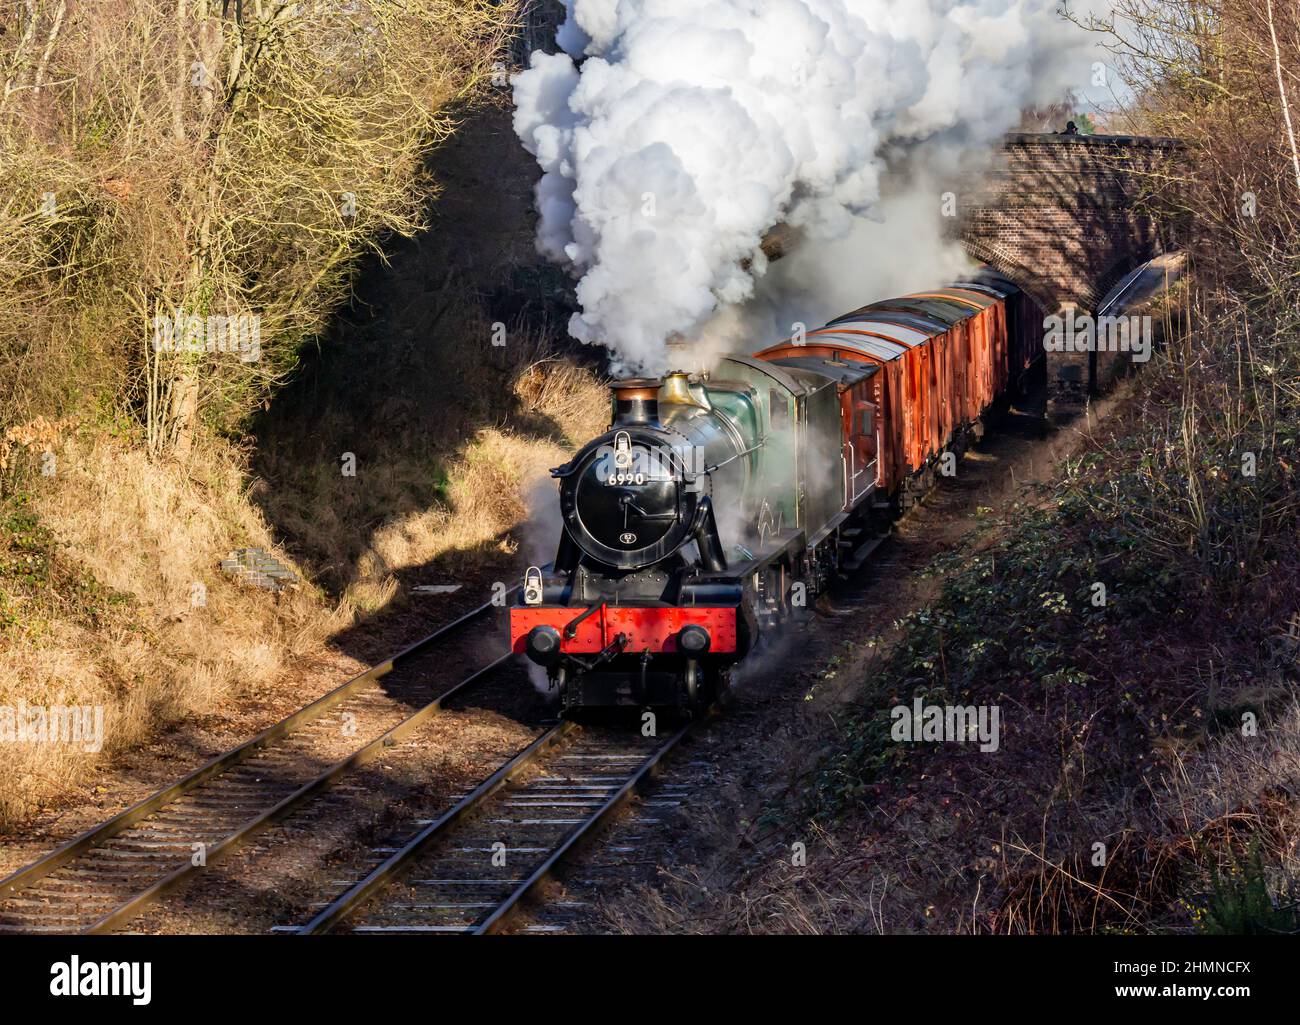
395, 864
584, 831
127, 818
402, 860
125, 912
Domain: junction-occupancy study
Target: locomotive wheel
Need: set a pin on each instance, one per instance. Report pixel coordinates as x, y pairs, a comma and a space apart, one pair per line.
692, 677
710, 683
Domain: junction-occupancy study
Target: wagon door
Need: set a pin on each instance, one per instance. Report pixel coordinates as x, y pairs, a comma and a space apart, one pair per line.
866, 447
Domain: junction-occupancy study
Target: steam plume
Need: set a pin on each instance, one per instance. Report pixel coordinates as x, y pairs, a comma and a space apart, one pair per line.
672, 134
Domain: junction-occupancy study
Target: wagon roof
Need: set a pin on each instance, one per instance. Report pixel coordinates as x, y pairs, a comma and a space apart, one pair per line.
845, 373
988, 277
892, 311
986, 287
795, 382
880, 343
916, 328
967, 296
947, 311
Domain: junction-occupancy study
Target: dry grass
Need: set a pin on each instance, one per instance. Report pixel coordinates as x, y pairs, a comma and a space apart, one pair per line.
1243, 794
486, 493
128, 610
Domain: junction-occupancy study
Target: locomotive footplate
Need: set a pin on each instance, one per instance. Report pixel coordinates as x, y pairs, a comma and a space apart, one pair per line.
591, 630
610, 655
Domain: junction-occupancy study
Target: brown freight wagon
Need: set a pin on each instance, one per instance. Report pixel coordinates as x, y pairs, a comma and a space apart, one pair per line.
945, 357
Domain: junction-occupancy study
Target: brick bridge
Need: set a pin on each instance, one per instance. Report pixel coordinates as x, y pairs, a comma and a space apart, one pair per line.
1067, 216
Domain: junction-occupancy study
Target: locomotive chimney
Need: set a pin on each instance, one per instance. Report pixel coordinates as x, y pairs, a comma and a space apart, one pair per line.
636, 401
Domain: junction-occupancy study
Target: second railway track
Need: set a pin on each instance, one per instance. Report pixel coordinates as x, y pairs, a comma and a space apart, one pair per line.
103, 878
472, 868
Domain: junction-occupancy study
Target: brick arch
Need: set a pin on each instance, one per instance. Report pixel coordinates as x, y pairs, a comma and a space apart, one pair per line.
1009, 267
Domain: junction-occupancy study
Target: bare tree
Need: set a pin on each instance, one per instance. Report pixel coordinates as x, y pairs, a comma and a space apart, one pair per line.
202, 183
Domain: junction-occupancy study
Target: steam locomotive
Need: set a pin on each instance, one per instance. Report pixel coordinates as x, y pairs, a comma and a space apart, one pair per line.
716, 503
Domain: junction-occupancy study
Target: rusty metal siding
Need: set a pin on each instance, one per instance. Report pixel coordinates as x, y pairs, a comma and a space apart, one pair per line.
945, 357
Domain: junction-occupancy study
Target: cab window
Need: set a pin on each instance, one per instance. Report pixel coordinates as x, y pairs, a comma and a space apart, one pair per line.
778, 409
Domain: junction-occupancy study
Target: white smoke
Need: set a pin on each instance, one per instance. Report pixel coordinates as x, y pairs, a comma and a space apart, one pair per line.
692, 127
902, 251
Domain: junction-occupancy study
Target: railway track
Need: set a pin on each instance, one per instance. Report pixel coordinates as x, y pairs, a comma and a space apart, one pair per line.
472, 868
103, 878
